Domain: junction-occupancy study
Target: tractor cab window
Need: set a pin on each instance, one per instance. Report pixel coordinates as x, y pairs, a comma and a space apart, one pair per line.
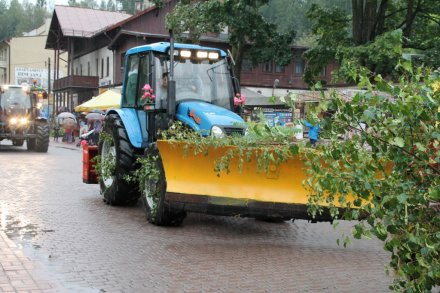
131, 81
15, 97
195, 80
144, 82
137, 77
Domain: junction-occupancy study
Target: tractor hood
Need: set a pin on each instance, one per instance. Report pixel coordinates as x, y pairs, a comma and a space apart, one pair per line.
201, 116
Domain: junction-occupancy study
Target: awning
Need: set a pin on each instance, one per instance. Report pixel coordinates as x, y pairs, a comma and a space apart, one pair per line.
110, 99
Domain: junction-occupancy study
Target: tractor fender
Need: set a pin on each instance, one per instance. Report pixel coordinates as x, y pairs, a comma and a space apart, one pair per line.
41, 119
131, 124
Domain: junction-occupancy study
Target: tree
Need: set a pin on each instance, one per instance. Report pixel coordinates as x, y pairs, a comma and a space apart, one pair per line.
415, 20
291, 15
16, 18
13, 19
250, 35
33, 17
72, 3
111, 6
3, 15
41, 4
128, 6
388, 171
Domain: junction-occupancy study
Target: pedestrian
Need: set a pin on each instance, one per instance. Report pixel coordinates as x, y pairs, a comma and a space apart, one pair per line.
56, 132
313, 132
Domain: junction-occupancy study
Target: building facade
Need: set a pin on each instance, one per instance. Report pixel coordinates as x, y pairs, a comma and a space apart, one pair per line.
96, 55
4, 61
78, 33
23, 60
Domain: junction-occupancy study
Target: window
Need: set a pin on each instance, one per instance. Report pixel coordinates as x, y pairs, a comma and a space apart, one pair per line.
246, 65
108, 66
97, 67
102, 67
76, 71
267, 67
88, 68
279, 68
80, 69
299, 66
122, 62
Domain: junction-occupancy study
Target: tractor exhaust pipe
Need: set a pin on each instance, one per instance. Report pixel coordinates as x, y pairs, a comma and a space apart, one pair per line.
171, 90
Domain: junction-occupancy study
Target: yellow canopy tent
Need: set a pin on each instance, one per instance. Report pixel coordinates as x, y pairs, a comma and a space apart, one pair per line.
107, 100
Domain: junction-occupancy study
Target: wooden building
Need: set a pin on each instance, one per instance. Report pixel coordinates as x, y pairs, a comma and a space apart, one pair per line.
96, 52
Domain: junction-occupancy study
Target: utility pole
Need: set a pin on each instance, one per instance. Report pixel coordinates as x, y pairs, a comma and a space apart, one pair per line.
48, 89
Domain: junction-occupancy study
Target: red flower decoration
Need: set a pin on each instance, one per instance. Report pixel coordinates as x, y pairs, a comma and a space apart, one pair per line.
239, 100
148, 96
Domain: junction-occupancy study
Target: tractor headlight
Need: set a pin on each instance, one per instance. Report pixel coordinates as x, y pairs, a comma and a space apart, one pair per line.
202, 54
213, 55
23, 121
185, 53
13, 121
217, 132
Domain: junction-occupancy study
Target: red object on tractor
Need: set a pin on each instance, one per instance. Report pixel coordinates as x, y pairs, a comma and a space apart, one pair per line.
89, 173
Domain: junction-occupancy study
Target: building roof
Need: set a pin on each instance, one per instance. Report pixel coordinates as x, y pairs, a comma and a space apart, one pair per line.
84, 22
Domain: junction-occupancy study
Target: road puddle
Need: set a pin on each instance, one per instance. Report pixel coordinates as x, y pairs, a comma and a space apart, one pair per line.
17, 228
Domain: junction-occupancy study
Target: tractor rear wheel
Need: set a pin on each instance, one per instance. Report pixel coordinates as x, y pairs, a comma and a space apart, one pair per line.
42, 139
117, 160
156, 208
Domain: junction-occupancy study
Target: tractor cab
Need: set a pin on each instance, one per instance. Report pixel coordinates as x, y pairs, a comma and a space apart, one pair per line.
200, 74
16, 104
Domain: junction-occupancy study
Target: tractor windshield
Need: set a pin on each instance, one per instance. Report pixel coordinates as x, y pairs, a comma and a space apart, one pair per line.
203, 80
14, 100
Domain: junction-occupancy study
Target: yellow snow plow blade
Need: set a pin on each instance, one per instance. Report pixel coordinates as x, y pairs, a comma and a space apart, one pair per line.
193, 174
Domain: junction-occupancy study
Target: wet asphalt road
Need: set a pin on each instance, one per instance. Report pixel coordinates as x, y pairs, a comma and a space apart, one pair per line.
76, 243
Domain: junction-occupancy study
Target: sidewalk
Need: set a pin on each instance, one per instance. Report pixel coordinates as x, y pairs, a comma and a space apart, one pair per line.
60, 144
17, 272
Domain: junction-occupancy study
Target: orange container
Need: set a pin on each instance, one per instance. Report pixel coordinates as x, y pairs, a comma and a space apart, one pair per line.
89, 174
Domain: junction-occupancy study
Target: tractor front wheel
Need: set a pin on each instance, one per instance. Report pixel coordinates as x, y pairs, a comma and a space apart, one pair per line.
117, 160
42, 139
156, 208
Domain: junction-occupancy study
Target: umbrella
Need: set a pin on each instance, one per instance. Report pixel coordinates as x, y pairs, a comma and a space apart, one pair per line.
68, 123
98, 111
110, 99
64, 115
94, 116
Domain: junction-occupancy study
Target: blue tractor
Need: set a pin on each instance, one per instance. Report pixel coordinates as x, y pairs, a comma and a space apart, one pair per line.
165, 82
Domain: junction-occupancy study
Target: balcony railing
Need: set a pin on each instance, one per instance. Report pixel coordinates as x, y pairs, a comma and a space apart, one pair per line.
76, 81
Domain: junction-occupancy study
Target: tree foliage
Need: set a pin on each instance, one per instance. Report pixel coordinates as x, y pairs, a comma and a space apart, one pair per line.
379, 161
290, 15
370, 21
250, 34
389, 171
16, 18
